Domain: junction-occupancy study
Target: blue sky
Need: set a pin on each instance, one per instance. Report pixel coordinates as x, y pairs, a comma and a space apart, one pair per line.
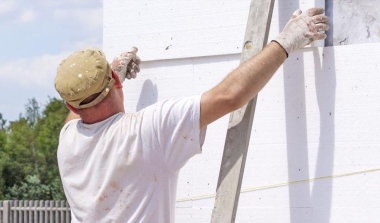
35, 36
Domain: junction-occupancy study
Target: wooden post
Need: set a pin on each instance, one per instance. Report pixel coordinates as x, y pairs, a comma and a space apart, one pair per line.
41, 212
62, 212
51, 211
31, 211
240, 124
15, 212
68, 213
1, 211
46, 214
26, 204
7, 212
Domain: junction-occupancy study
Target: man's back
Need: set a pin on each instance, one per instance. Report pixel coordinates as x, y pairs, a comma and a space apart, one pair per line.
124, 169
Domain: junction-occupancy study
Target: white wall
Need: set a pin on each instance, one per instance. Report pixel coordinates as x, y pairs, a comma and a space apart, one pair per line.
168, 29
318, 116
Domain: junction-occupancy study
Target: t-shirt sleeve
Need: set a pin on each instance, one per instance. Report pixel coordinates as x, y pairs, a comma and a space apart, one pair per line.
176, 123
66, 126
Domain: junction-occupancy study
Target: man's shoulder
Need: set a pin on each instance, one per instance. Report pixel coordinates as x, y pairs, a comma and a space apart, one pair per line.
69, 124
175, 101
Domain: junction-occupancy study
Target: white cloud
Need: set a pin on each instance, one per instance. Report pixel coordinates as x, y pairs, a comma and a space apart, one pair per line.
70, 3
28, 15
6, 6
91, 18
76, 45
38, 71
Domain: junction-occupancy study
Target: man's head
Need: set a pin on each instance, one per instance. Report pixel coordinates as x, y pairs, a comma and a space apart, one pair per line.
85, 79
84, 73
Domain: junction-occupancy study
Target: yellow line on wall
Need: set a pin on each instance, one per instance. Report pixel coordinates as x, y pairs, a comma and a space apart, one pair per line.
279, 184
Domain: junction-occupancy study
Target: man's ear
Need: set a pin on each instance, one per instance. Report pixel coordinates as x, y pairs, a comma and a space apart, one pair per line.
117, 83
72, 108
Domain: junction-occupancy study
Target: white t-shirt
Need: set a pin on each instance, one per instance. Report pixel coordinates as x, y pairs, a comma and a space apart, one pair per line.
125, 168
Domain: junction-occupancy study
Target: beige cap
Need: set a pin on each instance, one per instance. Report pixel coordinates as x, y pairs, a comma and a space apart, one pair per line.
82, 74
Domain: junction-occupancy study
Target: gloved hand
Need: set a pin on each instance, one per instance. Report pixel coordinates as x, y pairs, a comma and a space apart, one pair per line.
126, 65
303, 29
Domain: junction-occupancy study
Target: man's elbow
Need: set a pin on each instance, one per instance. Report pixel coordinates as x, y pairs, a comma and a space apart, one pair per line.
236, 101
232, 102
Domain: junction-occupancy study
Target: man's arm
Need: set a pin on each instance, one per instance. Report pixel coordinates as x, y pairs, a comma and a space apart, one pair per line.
242, 84
249, 78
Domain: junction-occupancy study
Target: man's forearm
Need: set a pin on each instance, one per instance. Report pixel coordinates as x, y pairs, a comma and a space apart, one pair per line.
248, 79
242, 84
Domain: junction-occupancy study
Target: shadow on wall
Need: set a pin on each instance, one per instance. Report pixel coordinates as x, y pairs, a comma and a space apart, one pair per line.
309, 204
325, 85
148, 95
296, 127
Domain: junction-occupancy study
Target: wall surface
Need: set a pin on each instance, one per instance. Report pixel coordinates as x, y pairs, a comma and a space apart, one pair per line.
181, 29
317, 118
355, 21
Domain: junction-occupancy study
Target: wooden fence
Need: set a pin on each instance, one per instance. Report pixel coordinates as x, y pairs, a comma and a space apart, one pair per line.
34, 211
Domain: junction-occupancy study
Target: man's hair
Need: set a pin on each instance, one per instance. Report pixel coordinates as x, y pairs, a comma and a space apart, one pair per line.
90, 98
107, 101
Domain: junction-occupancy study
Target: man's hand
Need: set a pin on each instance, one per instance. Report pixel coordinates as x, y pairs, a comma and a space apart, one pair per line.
303, 29
126, 65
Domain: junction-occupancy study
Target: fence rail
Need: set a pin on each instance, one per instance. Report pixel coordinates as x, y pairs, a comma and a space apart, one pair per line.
34, 212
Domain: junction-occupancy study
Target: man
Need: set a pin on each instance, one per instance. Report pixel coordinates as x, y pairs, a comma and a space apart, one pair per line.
118, 167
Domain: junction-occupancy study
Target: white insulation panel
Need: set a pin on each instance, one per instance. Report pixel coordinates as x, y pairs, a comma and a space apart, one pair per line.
167, 29
319, 116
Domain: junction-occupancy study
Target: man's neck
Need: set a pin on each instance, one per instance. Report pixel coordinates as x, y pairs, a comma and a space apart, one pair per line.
91, 117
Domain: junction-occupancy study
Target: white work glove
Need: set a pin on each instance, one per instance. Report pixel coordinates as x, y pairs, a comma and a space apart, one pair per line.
126, 65
303, 29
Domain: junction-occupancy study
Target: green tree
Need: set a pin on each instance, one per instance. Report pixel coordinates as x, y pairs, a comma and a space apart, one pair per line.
22, 156
3, 141
3, 135
32, 112
30, 189
51, 124
28, 148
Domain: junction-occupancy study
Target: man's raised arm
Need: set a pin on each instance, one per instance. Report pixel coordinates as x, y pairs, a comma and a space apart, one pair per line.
249, 78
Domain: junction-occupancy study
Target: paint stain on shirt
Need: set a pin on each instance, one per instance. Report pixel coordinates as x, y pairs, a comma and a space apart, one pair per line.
102, 198
114, 184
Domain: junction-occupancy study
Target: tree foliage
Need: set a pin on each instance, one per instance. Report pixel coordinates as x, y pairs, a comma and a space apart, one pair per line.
28, 147
31, 189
